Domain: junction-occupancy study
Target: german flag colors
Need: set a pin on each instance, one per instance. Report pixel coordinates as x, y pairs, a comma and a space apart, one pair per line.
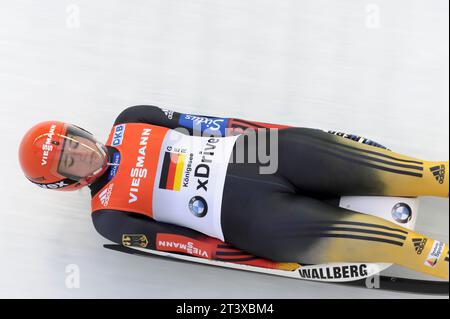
172, 171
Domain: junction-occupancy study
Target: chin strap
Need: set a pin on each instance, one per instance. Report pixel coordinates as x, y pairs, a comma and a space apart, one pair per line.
90, 179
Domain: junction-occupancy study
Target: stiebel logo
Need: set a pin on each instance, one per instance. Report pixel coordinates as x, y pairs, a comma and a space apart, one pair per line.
334, 272
214, 124
438, 173
419, 244
106, 194
47, 147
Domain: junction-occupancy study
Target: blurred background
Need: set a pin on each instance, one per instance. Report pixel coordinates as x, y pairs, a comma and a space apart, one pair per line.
376, 68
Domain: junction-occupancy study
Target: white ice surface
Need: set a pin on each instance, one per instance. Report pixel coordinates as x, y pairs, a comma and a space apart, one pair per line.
375, 68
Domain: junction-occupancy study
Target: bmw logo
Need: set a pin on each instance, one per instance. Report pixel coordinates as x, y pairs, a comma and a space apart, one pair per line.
198, 206
402, 213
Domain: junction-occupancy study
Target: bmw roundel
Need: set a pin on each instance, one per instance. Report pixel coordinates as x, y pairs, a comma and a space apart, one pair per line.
402, 213
198, 206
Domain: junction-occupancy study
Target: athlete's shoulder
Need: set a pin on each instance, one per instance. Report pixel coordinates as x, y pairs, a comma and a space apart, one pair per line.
149, 114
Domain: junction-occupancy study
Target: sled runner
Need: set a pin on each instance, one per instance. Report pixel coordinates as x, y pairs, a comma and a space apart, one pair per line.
398, 210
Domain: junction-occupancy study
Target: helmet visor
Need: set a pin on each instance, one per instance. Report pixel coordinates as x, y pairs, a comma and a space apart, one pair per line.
81, 155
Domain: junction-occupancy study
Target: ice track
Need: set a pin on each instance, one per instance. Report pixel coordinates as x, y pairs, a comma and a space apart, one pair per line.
375, 68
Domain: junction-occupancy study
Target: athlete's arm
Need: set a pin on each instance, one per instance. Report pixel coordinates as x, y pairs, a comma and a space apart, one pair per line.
191, 122
132, 229
199, 123
148, 114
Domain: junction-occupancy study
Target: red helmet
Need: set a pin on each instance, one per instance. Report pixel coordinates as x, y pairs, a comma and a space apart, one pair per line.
45, 145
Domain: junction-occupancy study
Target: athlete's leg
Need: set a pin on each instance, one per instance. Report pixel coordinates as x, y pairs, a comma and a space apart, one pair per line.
316, 161
286, 227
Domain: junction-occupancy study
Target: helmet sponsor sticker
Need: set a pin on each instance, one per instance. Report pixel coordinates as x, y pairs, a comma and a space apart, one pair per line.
47, 147
119, 131
56, 185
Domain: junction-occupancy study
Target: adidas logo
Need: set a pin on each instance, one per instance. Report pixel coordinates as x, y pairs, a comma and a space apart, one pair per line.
168, 113
105, 195
419, 244
438, 173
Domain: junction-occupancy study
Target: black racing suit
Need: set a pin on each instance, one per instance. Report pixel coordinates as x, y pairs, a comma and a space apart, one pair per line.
293, 215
